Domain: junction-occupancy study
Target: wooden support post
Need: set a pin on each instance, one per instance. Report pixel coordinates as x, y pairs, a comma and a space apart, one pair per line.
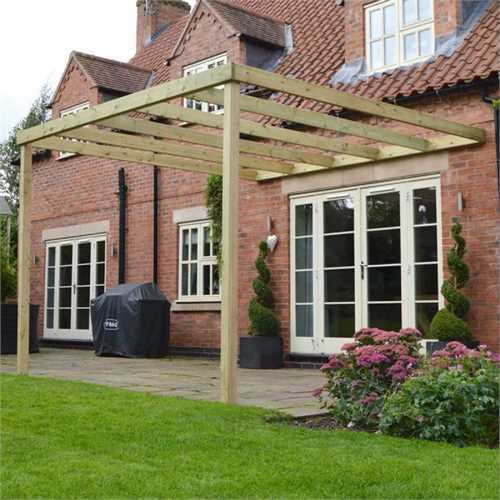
24, 262
230, 242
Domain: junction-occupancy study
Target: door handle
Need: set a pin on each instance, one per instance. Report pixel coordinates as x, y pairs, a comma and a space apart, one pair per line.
362, 266
74, 289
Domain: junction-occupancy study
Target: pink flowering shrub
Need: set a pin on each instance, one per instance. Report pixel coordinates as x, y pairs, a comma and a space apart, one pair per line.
454, 398
360, 378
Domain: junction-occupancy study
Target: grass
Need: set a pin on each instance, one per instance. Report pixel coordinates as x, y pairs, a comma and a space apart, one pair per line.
73, 440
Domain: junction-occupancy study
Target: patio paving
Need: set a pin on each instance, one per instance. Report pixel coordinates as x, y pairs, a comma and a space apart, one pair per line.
287, 390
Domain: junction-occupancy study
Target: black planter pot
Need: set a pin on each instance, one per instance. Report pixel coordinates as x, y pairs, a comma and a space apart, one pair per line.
433, 346
264, 353
8, 344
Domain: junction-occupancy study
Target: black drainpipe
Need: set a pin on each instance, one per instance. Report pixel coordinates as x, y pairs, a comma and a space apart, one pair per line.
495, 103
122, 194
156, 177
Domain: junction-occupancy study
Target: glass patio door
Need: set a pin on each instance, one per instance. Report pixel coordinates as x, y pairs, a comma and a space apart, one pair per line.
365, 257
75, 274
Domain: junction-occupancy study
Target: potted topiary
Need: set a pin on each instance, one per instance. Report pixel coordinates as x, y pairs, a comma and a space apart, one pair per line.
448, 324
263, 348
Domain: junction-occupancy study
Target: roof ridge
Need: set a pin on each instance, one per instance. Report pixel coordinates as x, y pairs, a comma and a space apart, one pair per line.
253, 12
77, 54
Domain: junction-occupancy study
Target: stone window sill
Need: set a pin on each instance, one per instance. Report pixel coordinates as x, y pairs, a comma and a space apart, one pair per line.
195, 307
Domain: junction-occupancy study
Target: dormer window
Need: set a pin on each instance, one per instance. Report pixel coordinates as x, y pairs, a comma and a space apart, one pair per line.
199, 68
398, 32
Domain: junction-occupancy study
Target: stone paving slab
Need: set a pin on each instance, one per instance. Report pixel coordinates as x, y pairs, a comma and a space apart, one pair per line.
287, 390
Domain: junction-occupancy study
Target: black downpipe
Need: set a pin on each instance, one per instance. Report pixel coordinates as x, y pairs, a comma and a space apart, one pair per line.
156, 177
122, 194
495, 103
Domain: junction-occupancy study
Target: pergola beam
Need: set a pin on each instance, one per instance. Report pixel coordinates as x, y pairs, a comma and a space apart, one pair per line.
280, 83
318, 120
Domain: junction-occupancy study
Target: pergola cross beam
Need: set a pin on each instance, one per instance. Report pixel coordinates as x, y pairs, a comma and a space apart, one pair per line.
120, 130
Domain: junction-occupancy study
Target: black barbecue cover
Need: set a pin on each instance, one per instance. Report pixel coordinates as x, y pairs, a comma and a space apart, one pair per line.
131, 321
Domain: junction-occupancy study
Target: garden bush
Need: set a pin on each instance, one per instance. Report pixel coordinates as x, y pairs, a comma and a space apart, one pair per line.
370, 368
453, 399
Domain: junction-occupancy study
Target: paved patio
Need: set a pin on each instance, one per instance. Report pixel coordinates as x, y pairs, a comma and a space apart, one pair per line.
287, 390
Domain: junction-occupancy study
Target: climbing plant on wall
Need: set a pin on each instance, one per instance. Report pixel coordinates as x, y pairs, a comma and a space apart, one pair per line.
214, 206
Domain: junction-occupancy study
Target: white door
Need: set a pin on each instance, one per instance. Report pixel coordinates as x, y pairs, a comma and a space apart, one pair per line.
363, 257
75, 274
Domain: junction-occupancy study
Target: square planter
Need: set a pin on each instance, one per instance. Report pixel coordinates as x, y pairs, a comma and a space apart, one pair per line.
264, 353
8, 328
432, 346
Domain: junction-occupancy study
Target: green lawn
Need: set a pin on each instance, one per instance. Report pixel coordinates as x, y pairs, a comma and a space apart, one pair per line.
74, 440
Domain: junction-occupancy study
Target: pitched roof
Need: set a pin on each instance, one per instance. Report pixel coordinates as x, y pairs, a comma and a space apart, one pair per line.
113, 75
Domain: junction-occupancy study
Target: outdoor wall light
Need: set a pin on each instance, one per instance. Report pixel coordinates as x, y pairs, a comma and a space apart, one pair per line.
114, 251
272, 242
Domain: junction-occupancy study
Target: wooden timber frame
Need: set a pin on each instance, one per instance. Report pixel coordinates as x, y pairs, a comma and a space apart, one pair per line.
154, 127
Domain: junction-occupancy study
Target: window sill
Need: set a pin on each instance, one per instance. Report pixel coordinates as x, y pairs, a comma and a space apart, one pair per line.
195, 307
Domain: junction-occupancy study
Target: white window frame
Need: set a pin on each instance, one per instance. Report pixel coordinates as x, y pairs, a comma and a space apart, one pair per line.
200, 67
318, 344
400, 31
201, 261
68, 112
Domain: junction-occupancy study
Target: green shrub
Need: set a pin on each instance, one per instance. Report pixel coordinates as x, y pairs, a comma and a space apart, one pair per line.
263, 321
8, 274
213, 195
454, 399
448, 324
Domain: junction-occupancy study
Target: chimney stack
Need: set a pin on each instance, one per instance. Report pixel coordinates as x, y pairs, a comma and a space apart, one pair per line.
154, 15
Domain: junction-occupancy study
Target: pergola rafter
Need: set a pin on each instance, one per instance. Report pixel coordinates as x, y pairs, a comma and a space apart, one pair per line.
120, 130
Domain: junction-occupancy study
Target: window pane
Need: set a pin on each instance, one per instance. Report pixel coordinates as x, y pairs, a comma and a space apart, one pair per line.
377, 56
65, 297
82, 319
426, 244
50, 297
424, 315
410, 46
194, 280
52, 256
100, 273
304, 321
424, 203
206, 241
384, 247
339, 215
185, 279
426, 282
409, 11
206, 280
383, 210
384, 284
425, 41
215, 280
66, 255
185, 244
339, 250
376, 24
84, 275
390, 51
339, 286
83, 253
424, 9
385, 316
303, 251
304, 287
99, 290
83, 296
339, 321
50, 318
101, 251
303, 220
389, 20
64, 319
51, 277
194, 244
65, 276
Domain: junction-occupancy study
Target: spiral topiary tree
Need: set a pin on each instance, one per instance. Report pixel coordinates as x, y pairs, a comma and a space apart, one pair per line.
263, 321
448, 324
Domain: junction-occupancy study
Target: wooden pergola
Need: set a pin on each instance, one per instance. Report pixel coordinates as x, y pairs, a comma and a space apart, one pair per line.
122, 131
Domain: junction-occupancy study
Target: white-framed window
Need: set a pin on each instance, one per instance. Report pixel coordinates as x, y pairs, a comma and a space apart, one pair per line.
198, 270
72, 111
398, 32
200, 67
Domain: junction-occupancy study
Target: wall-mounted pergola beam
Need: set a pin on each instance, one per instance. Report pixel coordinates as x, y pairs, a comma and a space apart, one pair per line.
133, 102
280, 83
255, 129
293, 114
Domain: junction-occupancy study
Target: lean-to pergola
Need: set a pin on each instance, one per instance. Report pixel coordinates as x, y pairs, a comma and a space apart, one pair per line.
120, 130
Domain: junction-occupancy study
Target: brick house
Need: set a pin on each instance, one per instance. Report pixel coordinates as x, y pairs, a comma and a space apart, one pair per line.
334, 270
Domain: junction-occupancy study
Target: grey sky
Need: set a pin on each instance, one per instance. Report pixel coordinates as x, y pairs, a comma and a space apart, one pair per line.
37, 37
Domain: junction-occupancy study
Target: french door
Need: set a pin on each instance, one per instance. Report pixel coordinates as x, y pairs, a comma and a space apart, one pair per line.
364, 257
75, 274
